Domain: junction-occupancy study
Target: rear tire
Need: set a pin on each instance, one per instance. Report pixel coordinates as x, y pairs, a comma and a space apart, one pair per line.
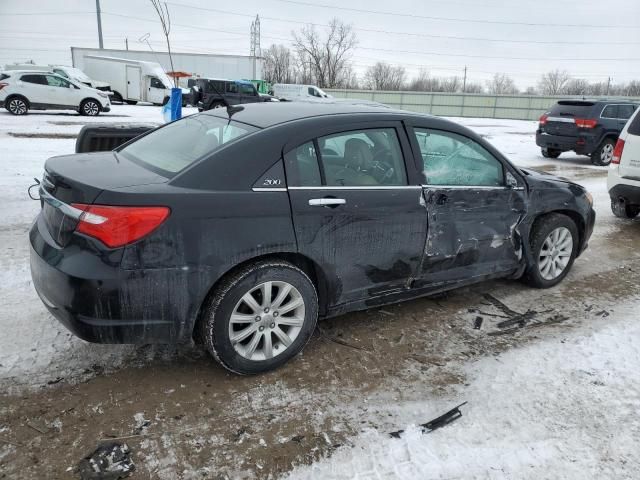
274, 306
554, 245
17, 105
550, 152
604, 153
90, 108
131, 102
117, 98
624, 210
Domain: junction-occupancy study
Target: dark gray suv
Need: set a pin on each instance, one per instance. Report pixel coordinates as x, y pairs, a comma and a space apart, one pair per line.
587, 127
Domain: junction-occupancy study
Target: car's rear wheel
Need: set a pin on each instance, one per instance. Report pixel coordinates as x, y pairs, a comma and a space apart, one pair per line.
260, 316
550, 152
89, 108
131, 102
17, 105
554, 245
116, 98
604, 153
622, 209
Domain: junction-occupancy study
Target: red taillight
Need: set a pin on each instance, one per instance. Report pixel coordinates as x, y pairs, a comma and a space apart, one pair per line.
543, 119
617, 152
585, 122
3, 84
119, 226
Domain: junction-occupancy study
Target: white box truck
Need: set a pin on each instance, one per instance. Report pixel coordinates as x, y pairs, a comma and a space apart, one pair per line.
131, 81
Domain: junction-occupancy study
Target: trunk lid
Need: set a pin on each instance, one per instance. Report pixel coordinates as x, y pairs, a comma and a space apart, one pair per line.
81, 178
561, 118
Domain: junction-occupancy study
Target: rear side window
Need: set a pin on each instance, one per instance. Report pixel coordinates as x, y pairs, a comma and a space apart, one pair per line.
572, 109
37, 79
610, 111
232, 87
625, 111
179, 144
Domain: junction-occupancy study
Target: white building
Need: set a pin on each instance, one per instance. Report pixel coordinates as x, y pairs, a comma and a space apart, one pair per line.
233, 67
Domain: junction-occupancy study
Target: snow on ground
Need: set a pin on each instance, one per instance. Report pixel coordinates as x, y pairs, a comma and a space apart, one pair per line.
563, 408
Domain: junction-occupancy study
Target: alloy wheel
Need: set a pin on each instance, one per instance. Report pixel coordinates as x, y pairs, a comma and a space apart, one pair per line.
555, 253
17, 106
91, 108
606, 154
266, 320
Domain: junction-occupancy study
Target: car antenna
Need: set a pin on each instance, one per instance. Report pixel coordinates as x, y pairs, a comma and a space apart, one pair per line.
231, 109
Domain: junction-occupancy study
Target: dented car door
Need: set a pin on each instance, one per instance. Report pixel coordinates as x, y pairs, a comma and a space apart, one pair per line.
474, 205
355, 213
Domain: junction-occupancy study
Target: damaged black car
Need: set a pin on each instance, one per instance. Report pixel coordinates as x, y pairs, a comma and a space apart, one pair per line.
240, 227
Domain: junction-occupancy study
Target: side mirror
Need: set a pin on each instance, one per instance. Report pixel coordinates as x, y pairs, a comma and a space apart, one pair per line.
512, 182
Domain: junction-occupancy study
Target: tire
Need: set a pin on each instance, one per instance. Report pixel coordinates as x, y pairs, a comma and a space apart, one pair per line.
538, 275
604, 153
250, 354
131, 102
17, 105
90, 108
550, 152
624, 210
117, 98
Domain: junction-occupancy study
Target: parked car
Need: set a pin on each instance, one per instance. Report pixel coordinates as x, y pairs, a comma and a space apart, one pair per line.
64, 71
292, 92
208, 93
21, 91
587, 127
623, 182
242, 231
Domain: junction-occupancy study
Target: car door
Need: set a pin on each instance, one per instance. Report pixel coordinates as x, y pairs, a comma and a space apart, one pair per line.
61, 92
35, 88
156, 90
232, 93
354, 211
474, 203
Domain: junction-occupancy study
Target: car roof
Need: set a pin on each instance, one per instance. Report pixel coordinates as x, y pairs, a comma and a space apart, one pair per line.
268, 114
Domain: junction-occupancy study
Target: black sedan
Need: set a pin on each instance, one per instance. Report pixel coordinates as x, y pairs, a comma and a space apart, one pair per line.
240, 227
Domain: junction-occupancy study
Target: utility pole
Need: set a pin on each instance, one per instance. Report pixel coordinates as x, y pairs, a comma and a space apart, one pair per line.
254, 49
464, 82
126, 42
100, 44
608, 85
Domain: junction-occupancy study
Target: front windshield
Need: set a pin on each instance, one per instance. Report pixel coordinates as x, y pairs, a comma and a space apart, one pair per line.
177, 145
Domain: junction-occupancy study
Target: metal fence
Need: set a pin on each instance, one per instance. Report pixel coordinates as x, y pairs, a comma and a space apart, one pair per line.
517, 107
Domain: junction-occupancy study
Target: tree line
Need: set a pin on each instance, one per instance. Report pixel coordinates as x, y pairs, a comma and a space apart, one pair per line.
323, 58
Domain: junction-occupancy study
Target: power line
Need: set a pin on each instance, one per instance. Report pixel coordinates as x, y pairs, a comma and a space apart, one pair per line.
412, 34
451, 19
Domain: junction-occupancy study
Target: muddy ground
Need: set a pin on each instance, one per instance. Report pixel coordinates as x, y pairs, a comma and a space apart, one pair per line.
185, 417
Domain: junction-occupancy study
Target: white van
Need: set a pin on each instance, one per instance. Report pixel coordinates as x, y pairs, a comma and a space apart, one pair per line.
131, 81
291, 91
70, 73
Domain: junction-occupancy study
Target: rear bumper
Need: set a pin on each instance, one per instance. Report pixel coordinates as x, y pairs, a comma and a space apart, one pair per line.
102, 303
624, 188
582, 145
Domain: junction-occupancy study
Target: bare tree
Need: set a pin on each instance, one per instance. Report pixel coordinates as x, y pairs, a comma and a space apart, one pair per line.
278, 65
451, 84
576, 86
383, 76
553, 83
501, 83
326, 56
165, 20
424, 83
473, 87
632, 89
531, 91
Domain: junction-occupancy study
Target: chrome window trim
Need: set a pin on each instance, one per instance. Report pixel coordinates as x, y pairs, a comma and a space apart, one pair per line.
372, 187
474, 187
269, 189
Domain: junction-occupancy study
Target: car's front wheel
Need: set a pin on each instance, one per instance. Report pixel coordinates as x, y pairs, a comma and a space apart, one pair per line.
89, 108
604, 153
554, 245
260, 316
17, 106
550, 152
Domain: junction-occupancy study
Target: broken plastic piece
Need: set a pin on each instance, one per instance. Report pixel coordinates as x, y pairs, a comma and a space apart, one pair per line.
110, 461
436, 423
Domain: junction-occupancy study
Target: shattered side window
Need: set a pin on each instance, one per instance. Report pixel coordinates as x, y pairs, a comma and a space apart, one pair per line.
451, 159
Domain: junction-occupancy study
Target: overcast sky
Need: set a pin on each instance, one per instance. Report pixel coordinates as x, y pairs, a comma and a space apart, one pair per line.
591, 39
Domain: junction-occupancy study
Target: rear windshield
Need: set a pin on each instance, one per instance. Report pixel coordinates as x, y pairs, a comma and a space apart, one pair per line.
179, 144
572, 109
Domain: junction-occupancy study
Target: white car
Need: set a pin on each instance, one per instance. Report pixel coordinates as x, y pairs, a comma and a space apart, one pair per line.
623, 182
21, 91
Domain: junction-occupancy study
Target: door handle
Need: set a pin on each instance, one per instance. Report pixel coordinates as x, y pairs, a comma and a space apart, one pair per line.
327, 202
